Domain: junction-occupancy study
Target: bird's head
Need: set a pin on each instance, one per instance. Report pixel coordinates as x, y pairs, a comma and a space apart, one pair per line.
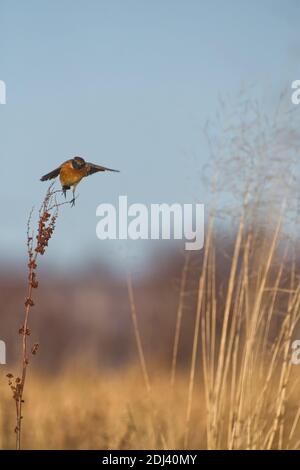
78, 163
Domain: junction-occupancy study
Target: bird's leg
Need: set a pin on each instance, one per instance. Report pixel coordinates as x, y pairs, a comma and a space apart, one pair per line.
72, 202
64, 190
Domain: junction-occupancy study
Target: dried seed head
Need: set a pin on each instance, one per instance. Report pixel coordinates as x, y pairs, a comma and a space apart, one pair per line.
32, 264
29, 302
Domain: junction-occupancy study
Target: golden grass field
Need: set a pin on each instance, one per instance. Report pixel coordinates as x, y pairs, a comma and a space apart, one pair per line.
107, 411
91, 411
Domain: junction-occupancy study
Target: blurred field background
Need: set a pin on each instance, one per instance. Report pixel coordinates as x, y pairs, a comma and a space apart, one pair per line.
86, 387
195, 351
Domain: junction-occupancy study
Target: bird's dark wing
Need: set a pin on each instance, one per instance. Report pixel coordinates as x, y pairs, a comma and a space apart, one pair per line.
91, 168
51, 175
54, 173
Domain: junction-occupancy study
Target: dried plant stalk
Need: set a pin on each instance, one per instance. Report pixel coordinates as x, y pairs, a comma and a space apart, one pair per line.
179, 316
137, 334
36, 246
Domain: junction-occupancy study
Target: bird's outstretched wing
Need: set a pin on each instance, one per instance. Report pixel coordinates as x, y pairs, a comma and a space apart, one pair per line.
51, 175
91, 169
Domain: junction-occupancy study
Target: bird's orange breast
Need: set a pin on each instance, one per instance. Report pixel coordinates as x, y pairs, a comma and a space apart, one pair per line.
69, 175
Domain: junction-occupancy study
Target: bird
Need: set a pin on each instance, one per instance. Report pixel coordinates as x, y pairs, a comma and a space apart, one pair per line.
71, 173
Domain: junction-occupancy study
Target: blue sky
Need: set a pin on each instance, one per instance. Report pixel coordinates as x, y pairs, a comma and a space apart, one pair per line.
127, 84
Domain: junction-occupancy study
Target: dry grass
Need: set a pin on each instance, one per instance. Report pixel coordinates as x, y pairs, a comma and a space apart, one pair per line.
241, 392
90, 411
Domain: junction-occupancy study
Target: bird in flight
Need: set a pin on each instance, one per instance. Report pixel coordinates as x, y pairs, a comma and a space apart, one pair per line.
71, 173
